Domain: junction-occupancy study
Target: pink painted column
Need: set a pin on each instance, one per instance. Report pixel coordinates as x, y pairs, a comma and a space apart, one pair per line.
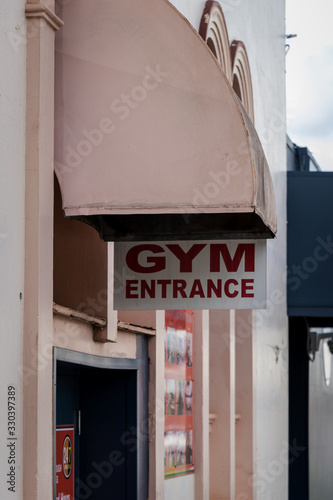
201, 404
38, 293
244, 405
222, 404
156, 410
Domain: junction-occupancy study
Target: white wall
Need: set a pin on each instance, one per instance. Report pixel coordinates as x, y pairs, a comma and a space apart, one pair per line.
179, 487
260, 25
191, 9
12, 153
320, 429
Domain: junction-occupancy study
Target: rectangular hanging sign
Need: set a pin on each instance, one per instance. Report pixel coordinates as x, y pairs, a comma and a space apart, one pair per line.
228, 274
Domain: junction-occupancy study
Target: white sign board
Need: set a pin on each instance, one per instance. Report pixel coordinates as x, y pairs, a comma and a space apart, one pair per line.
227, 274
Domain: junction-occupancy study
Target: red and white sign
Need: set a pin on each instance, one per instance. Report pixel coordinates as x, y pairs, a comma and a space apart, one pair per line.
65, 462
190, 275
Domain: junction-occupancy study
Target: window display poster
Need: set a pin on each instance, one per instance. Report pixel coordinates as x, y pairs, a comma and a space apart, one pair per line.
65, 462
178, 388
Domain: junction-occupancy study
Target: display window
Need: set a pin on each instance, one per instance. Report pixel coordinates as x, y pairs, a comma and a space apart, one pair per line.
178, 392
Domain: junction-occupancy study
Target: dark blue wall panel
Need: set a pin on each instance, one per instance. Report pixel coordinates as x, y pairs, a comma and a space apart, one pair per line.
310, 243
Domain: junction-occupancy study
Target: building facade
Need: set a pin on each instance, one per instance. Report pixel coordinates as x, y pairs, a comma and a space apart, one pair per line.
140, 108
310, 322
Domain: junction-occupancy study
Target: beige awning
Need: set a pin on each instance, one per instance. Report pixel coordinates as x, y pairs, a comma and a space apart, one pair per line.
151, 141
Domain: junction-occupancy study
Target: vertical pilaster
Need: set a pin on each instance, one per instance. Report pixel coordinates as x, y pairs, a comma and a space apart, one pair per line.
244, 404
109, 334
38, 297
222, 404
156, 410
201, 404
232, 404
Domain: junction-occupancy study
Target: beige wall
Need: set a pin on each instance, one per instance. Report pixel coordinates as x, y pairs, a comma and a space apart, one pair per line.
80, 264
78, 336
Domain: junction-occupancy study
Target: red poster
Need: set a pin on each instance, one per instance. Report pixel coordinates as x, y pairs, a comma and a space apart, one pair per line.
65, 462
178, 389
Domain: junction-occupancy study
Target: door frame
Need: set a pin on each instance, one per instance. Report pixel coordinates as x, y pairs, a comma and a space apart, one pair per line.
91, 360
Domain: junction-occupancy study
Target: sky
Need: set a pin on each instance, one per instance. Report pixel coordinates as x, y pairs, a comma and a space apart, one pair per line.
309, 77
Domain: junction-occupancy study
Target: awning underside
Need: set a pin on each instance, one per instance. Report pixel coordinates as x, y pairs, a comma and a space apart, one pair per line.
178, 227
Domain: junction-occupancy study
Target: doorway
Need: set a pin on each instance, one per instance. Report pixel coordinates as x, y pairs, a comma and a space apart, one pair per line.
96, 412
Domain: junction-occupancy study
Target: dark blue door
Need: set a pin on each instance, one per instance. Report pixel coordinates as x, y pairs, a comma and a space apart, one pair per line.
101, 403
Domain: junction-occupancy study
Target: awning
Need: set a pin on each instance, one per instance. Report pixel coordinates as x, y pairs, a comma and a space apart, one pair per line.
151, 141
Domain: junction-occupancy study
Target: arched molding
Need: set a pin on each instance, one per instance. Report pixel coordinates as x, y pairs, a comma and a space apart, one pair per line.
213, 30
241, 76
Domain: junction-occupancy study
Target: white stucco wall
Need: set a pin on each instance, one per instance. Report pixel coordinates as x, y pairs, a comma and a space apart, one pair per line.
179, 487
320, 433
260, 25
12, 153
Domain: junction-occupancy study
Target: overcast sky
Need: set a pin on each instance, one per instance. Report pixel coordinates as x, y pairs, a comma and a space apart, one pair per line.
309, 65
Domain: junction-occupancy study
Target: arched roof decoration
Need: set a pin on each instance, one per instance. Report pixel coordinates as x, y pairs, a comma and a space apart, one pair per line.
151, 142
213, 30
241, 76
